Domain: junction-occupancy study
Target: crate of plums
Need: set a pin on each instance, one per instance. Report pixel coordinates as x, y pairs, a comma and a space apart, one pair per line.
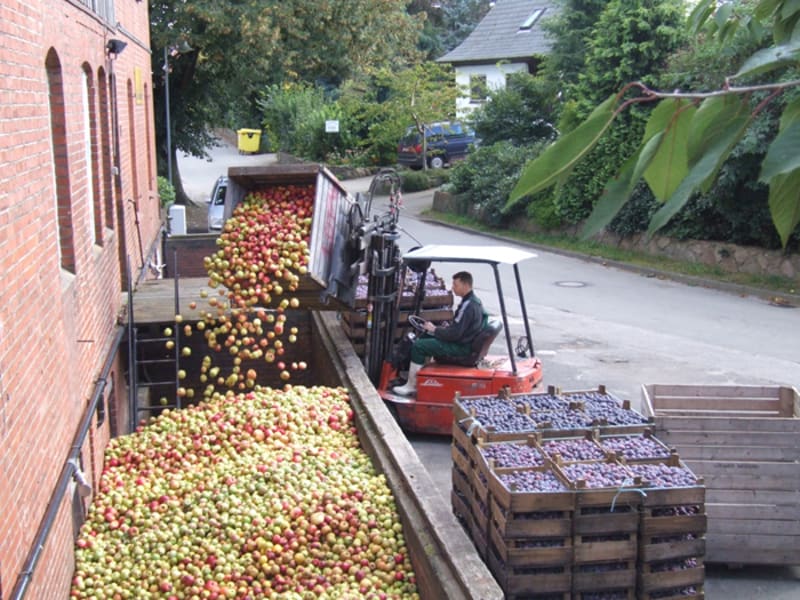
552, 414
530, 531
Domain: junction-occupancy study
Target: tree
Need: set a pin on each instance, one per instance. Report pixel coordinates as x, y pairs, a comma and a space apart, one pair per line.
630, 40
570, 30
391, 100
448, 23
219, 56
689, 135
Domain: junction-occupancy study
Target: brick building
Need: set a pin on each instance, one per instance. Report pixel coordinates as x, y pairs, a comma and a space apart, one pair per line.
78, 202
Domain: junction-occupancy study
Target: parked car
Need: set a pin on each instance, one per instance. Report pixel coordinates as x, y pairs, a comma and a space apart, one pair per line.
216, 205
446, 141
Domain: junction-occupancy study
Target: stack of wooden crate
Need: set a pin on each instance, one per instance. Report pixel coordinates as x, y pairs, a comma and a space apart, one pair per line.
437, 306
571, 513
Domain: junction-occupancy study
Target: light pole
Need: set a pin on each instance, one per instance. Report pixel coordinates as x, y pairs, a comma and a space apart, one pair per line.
169, 125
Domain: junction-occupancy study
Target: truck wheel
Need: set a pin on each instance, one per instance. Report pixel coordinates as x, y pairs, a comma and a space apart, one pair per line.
436, 162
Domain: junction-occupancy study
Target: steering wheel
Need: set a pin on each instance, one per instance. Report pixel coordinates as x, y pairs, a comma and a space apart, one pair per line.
417, 323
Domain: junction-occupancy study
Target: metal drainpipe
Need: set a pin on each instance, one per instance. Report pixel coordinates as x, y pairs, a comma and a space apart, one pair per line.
67, 471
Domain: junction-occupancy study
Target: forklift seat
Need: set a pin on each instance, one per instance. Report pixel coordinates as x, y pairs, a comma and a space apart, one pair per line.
480, 346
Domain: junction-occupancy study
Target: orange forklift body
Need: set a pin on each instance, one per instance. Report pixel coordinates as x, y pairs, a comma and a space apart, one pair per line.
431, 411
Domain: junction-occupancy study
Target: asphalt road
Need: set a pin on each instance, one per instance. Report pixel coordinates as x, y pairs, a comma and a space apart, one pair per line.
595, 324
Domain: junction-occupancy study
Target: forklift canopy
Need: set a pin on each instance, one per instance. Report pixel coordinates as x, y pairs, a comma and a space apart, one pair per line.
491, 255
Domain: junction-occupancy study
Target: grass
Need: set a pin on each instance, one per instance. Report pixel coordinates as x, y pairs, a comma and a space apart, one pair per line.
771, 284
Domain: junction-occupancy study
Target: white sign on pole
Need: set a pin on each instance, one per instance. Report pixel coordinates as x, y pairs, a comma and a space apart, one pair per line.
332, 126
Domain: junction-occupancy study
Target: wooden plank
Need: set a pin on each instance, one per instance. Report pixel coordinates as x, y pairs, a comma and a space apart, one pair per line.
729, 550
739, 453
727, 423
751, 496
154, 300
733, 512
711, 391
661, 526
667, 580
670, 550
612, 551
788, 471
748, 482
700, 438
756, 527
664, 405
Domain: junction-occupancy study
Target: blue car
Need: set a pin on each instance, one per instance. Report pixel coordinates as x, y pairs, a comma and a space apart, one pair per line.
446, 142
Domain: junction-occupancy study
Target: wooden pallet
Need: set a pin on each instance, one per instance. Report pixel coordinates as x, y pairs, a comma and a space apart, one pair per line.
745, 443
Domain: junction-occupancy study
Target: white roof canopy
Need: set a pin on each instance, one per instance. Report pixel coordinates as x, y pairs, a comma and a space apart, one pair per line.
492, 255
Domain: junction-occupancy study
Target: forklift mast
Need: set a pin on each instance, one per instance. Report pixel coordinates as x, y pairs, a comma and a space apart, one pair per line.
379, 235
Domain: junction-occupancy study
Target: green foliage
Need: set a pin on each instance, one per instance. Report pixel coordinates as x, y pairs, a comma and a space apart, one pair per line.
629, 42
523, 112
222, 54
285, 108
717, 130
570, 29
487, 176
416, 181
294, 118
166, 192
544, 212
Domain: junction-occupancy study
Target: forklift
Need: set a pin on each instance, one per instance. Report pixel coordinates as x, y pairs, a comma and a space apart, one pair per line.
480, 373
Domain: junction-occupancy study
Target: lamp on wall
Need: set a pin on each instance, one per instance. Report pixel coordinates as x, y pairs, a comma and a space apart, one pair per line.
115, 47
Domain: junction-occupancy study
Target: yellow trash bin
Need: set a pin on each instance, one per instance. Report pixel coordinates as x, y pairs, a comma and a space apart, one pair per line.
249, 139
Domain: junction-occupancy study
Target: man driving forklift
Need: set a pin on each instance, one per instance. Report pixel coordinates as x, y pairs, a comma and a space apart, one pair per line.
454, 339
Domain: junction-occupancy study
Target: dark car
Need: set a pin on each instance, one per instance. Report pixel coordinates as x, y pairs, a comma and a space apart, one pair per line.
446, 141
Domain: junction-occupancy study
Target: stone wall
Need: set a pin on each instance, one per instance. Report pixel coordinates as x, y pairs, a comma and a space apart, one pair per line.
728, 257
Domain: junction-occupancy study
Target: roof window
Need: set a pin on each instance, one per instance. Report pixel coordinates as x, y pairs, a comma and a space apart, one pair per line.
531, 20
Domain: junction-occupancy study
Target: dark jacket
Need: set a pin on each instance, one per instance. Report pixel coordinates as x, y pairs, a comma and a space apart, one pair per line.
467, 322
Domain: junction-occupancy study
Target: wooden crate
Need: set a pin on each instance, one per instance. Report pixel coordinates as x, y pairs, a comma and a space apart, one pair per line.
613, 576
530, 582
676, 576
532, 552
745, 443
535, 524
526, 502
473, 514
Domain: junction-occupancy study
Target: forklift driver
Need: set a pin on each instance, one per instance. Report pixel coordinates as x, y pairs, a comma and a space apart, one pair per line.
454, 339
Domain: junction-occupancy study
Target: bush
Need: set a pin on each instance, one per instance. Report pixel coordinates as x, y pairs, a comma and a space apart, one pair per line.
166, 191
543, 212
523, 112
487, 176
416, 181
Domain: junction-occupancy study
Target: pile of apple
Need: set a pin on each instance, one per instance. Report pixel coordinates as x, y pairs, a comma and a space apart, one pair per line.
255, 495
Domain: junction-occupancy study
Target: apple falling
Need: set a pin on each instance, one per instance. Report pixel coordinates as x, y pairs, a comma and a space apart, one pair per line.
263, 251
256, 495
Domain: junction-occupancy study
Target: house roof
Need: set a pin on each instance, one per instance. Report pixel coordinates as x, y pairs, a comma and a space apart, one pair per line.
504, 33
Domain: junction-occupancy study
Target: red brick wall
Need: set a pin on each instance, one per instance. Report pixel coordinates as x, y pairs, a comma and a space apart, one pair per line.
56, 326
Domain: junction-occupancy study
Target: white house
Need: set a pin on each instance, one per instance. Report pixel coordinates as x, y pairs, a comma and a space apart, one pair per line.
508, 39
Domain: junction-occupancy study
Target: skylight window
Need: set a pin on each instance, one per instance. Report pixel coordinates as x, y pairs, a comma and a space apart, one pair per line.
531, 20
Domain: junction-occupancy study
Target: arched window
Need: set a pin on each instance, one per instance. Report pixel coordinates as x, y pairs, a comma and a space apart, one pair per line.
90, 149
58, 134
106, 151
